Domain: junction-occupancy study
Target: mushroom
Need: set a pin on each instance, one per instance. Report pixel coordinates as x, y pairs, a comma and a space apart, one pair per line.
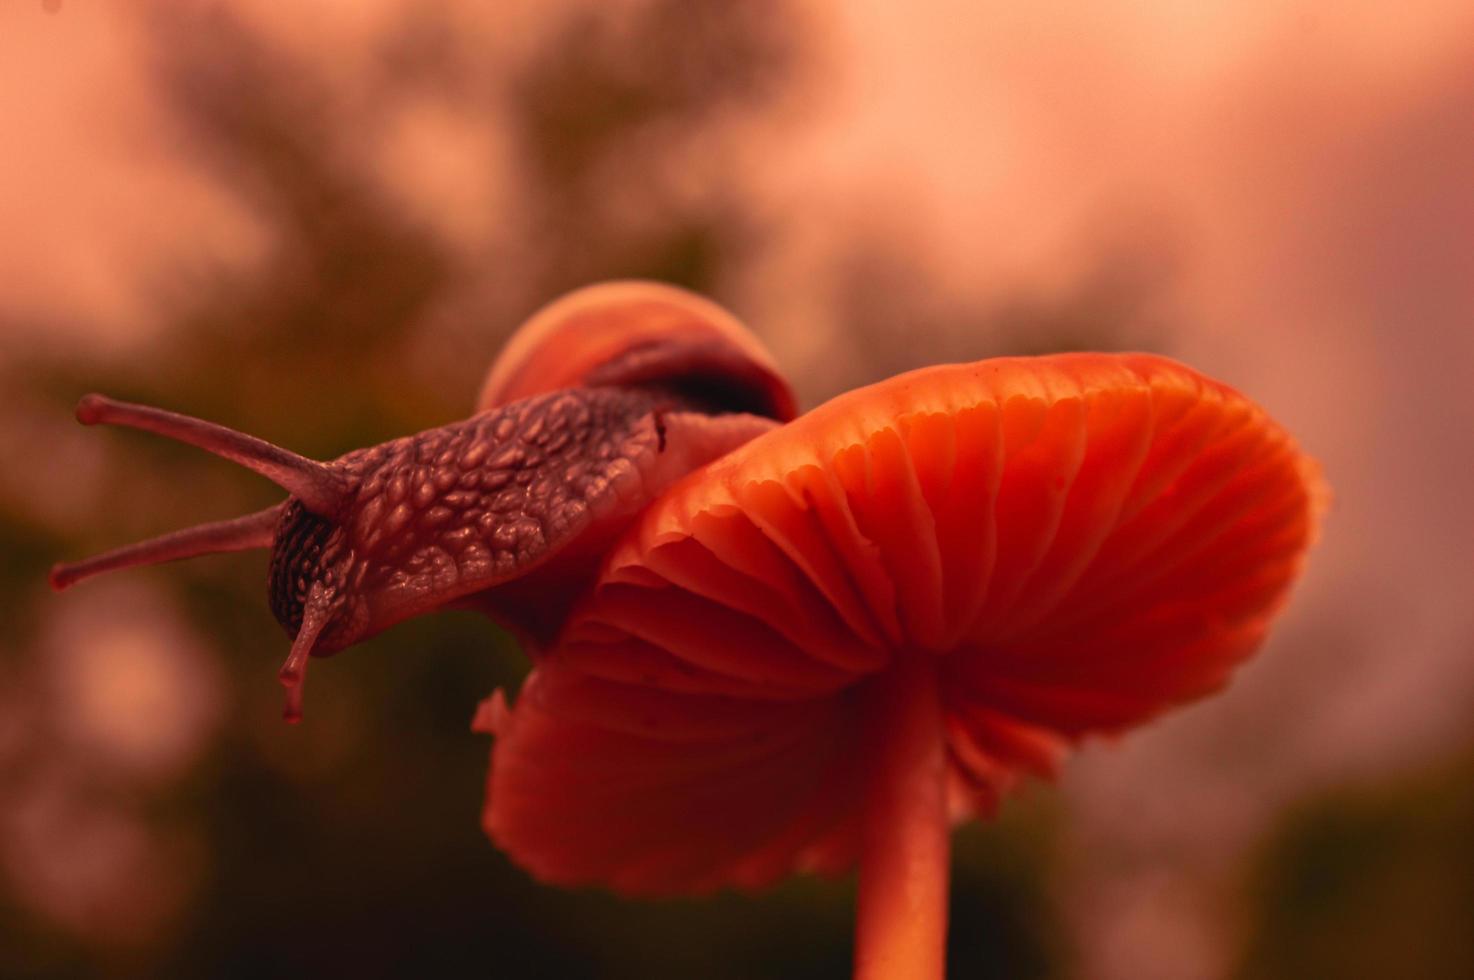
836, 642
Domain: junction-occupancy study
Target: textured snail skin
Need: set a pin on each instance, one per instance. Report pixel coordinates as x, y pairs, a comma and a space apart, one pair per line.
440, 516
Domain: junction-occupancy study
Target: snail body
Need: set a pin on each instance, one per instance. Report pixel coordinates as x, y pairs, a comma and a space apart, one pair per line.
601, 401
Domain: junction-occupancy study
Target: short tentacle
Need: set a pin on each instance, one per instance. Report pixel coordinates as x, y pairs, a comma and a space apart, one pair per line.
293, 674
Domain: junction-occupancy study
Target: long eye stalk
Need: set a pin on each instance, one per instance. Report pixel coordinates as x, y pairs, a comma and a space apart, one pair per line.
321, 490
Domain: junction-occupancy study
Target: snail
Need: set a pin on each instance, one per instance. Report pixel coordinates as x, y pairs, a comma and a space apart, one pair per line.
598, 403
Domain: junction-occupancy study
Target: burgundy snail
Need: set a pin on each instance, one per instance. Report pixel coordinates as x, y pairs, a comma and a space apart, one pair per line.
597, 403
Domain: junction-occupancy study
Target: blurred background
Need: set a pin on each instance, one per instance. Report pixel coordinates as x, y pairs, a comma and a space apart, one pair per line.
318, 222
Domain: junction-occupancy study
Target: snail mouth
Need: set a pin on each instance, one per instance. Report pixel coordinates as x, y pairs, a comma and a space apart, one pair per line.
302, 588
299, 559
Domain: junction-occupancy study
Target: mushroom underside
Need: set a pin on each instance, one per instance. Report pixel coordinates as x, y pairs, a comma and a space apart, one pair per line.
1068, 545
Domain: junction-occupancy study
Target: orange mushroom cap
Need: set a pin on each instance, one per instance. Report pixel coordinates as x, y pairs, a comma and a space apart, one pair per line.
1069, 544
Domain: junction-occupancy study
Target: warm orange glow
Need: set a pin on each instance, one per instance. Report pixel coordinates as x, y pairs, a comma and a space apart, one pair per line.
321, 223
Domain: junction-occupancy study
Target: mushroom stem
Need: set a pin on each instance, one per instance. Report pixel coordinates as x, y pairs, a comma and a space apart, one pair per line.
901, 922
